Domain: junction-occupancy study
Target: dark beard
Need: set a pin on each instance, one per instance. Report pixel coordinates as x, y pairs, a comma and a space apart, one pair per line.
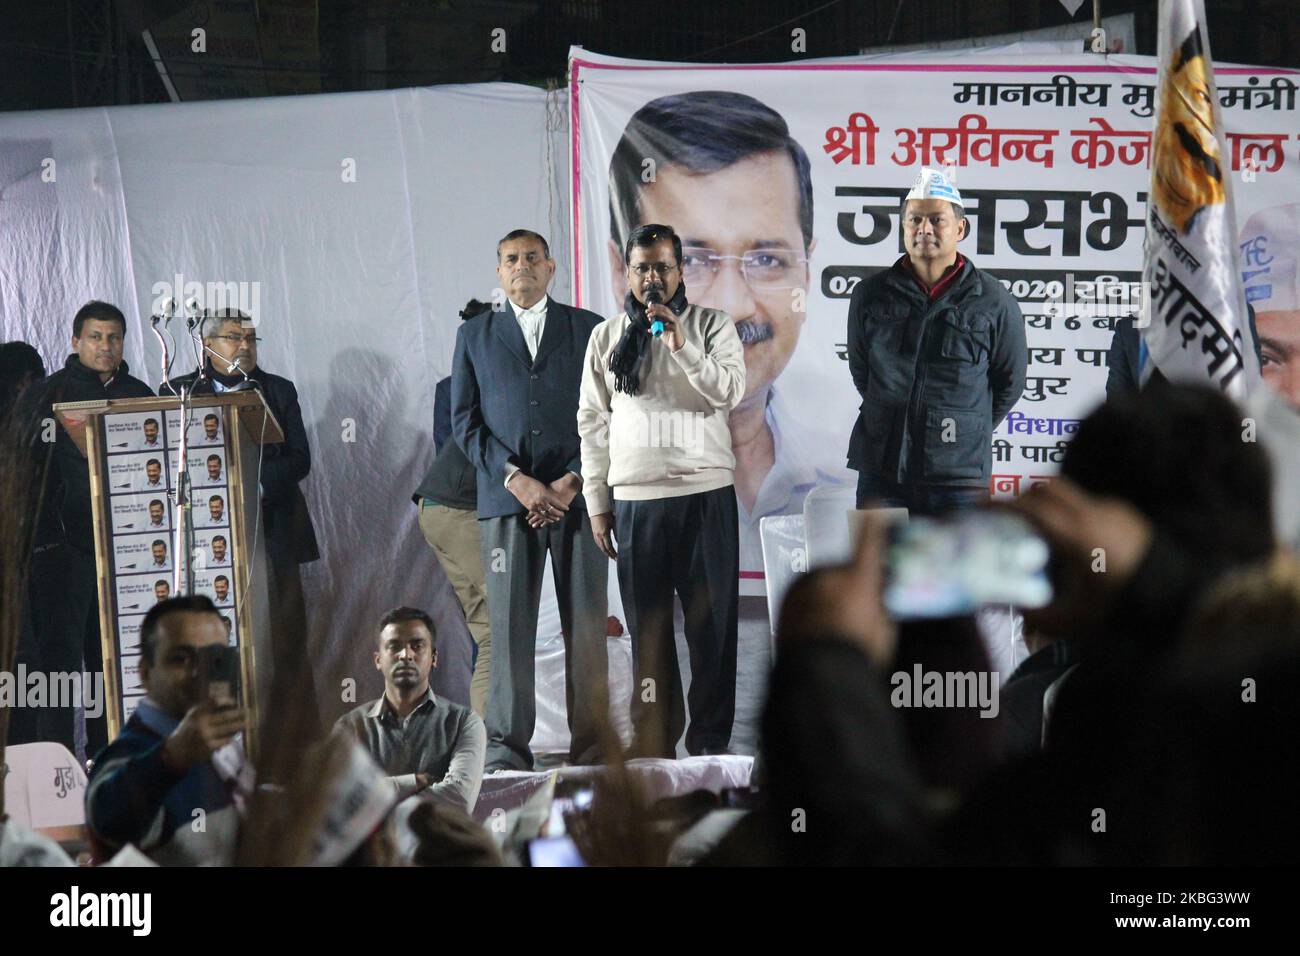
752, 333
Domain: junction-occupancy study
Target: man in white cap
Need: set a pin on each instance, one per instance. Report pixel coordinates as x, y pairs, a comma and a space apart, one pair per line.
1270, 247
1270, 243
937, 352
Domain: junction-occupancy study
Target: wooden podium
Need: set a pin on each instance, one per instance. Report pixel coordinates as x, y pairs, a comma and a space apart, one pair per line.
133, 448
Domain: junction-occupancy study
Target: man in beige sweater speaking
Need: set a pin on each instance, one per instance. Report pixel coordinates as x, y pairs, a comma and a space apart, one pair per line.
658, 382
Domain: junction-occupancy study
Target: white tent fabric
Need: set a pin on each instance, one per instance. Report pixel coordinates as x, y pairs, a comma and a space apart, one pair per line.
357, 285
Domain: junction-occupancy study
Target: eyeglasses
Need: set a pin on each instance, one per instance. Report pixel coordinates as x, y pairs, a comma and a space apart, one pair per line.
238, 339
762, 269
661, 269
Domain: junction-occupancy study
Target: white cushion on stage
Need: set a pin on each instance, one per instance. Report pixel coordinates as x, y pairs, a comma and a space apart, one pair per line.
659, 777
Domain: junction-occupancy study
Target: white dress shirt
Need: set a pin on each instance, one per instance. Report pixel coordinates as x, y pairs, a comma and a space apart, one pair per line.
531, 322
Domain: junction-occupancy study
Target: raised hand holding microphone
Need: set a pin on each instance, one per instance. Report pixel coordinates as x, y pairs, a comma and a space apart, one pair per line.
663, 324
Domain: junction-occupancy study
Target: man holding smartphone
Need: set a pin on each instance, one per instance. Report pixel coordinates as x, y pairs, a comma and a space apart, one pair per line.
179, 753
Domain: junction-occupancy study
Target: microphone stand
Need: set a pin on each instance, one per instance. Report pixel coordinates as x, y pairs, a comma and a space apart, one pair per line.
184, 531
232, 366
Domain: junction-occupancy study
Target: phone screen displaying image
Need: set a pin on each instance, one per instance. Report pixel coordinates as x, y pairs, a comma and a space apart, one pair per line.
945, 568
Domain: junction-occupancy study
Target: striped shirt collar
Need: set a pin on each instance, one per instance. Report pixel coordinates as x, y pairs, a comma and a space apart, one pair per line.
382, 706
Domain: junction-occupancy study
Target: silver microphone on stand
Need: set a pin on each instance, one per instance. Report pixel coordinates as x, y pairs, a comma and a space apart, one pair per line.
168, 356
233, 366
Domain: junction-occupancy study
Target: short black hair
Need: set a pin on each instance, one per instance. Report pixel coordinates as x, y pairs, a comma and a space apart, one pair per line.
702, 131
514, 234
194, 603
215, 498
474, 307
163, 582
219, 537
151, 421
214, 318
153, 461
19, 360
651, 234
211, 416
159, 541
216, 458
103, 311
399, 614
156, 501
221, 577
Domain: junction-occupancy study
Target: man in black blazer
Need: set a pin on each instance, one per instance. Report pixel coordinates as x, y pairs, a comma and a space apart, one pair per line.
290, 534
63, 586
515, 380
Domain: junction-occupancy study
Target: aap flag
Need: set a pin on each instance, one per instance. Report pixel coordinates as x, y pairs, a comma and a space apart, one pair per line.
1196, 317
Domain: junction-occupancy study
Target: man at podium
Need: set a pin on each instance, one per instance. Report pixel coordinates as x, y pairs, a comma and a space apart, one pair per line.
64, 589
290, 534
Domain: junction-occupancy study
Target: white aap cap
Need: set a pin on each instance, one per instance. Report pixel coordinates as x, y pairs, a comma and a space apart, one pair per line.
1269, 245
358, 797
933, 184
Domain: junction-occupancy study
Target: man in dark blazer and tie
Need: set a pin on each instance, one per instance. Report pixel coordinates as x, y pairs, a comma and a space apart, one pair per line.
515, 380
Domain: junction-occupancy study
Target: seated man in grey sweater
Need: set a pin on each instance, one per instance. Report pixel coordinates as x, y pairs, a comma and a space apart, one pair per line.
424, 743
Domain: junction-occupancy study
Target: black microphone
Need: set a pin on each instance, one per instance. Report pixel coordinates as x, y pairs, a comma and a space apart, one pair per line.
655, 297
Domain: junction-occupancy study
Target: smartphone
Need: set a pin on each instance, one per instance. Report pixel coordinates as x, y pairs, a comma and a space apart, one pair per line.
576, 800
553, 851
218, 670
947, 567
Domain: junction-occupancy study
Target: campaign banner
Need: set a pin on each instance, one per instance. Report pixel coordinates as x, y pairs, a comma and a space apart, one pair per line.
142, 553
143, 473
785, 182
133, 432
207, 466
203, 429
131, 514
137, 593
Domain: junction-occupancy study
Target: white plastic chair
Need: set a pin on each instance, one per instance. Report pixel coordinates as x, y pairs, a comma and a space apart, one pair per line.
45, 788
826, 524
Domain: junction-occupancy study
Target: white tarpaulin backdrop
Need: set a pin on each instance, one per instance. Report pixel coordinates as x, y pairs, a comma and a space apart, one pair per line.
358, 283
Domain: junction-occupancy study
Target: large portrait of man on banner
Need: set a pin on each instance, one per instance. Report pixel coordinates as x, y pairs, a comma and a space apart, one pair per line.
723, 170
1270, 264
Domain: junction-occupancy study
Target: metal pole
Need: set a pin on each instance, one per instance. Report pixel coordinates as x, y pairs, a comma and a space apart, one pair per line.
184, 531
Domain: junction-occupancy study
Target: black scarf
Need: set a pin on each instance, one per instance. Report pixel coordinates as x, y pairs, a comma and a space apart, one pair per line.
629, 354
